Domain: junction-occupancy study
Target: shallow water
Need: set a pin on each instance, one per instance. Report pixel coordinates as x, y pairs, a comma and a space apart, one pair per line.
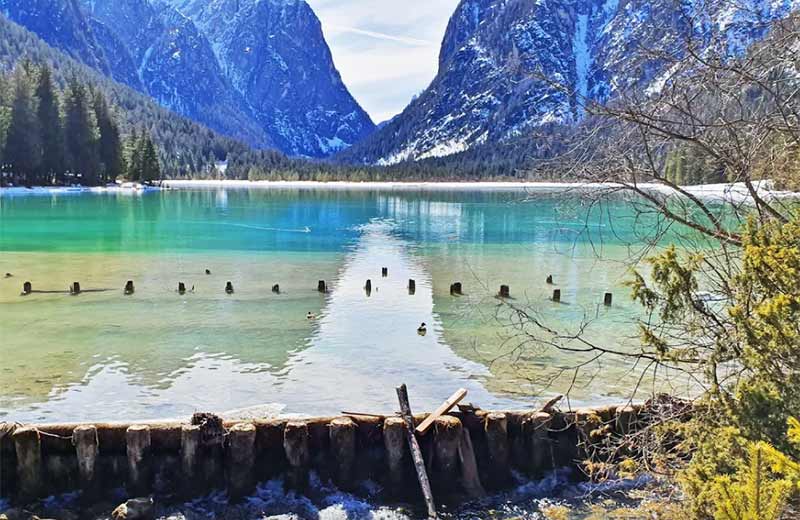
157, 354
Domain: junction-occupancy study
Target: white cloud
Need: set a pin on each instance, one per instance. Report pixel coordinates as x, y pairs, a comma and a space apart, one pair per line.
386, 50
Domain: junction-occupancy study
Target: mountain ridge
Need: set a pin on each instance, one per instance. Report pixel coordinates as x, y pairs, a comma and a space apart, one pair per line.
510, 68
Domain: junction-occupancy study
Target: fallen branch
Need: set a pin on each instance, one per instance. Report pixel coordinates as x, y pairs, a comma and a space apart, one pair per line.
416, 453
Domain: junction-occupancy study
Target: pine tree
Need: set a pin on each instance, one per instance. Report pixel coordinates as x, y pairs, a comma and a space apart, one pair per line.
52, 136
151, 169
112, 161
136, 153
80, 129
5, 120
23, 149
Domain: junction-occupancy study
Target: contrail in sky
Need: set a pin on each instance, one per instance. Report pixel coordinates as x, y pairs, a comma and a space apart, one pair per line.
380, 35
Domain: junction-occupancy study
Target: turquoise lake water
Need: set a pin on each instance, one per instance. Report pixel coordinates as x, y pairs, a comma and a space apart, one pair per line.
157, 354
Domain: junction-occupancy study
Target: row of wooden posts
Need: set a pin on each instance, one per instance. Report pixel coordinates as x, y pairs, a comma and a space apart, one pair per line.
456, 289
464, 454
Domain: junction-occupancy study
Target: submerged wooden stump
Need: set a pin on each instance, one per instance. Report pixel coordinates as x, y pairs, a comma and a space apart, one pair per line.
28, 447
241, 459
342, 435
295, 444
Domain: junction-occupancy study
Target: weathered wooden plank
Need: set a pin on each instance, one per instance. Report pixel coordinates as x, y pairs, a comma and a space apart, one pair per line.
443, 409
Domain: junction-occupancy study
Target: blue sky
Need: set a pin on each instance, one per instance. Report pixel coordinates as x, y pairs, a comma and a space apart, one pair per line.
386, 50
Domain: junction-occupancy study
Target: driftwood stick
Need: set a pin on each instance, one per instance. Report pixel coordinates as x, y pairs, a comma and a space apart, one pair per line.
548, 407
358, 414
416, 453
445, 407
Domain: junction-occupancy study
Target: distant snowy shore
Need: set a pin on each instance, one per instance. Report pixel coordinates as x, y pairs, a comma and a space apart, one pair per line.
735, 192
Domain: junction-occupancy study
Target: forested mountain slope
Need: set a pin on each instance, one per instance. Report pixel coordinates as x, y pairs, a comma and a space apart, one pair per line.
258, 71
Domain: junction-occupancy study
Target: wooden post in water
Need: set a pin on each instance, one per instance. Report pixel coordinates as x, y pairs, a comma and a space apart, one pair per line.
412, 287
455, 289
469, 467
87, 447
557, 295
75, 288
607, 299
321, 287
181, 288
416, 453
625, 420
295, 444
28, 446
384, 272
550, 279
447, 437
368, 287
241, 459
137, 439
229, 288
276, 289
394, 444
496, 427
190, 446
342, 435
27, 288
541, 457
505, 291
129, 289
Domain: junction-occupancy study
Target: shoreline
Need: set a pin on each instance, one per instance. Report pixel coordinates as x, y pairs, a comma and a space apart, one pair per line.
731, 192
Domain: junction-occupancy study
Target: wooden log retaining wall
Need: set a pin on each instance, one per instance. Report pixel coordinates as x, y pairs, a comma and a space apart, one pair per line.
179, 458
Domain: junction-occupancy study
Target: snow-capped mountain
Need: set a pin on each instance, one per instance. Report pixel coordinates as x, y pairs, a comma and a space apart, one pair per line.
174, 64
276, 57
256, 70
510, 67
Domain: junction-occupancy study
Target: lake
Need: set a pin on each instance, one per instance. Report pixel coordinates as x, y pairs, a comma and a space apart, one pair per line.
156, 354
